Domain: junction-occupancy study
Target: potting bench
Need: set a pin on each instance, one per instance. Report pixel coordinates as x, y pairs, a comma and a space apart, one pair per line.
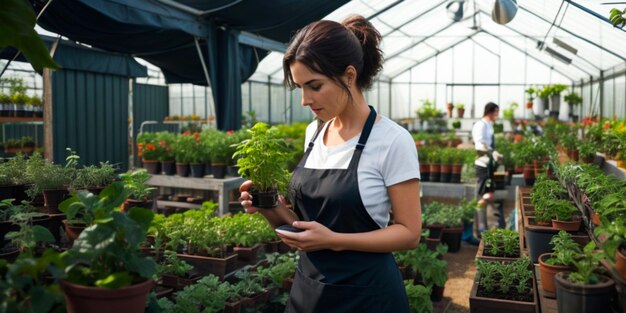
222, 186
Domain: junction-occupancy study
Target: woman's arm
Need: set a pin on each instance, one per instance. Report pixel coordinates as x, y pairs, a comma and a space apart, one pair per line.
402, 235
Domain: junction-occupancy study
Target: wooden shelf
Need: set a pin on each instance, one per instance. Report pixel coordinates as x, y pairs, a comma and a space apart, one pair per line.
20, 119
186, 205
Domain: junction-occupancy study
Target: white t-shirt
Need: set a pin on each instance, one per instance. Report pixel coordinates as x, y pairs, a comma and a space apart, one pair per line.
482, 134
389, 158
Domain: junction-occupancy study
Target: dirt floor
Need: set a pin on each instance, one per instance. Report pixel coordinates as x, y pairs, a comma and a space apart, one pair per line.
461, 270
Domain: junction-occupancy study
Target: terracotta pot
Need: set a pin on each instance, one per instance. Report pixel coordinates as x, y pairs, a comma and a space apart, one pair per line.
620, 262
446, 172
460, 112
131, 299
529, 105
573, 225
152, 166
435, 172
595, 219
73, 230
529, 174
547, 273
455, 177
52, 199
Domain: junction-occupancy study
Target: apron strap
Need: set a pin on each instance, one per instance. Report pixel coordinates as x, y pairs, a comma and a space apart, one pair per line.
320, 126
365, 134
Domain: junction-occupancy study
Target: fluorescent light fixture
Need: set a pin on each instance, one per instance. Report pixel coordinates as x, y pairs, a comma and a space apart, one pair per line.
558, 55
565, 46
504, 11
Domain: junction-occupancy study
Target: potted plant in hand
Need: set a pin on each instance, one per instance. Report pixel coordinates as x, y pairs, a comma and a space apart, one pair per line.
104, 269
560, 260
263, 160
584, 290
460, 110
140, 192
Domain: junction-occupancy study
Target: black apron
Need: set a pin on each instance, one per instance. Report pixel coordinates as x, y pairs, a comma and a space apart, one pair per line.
347, 281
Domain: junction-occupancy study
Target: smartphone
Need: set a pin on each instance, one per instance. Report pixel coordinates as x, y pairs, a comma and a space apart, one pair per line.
289, 228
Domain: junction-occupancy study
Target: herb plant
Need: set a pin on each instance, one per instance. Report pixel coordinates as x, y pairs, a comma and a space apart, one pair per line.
136, 182
263, 159
586, 265
419, 297
172, 265
565, 249
499, 241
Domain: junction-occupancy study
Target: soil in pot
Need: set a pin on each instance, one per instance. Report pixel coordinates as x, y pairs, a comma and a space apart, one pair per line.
513, 294
182, 169
197, 170
130, 299
576, 298
264, 200
152, 166
168, 168
484, 252
452, 237
547, 274
219, 170
573, 225
73, 229
52, 199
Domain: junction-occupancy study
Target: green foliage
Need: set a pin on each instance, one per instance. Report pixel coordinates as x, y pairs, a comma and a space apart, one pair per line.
531, 92
547, 195
83, 206
586, 265
93, 176
148, 147
556, 89
565, 249
135, 181
564, 210
165, 142
428, 111
509, 114
419, 297
428, 264
460, 106
207, 295
246, 230
573, 98
14, 172
49, 176
24, 285
615, 233
263, 159
504, 240
29, 235
500, 277
17, 25
106, 254
436, 213
456, 124
188, 149
280, 267
617, 17
172, 265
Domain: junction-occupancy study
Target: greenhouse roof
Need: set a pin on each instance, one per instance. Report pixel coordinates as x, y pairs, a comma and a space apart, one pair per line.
417, 31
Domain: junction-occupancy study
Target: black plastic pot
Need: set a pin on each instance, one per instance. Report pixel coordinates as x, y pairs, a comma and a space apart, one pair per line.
168, 168
197, 170
54, 197
219, 170
232, 171
452, 237
264, 200
152, 166
208, 169
576, 298
539, 240
182, 169
425, 176
435, 177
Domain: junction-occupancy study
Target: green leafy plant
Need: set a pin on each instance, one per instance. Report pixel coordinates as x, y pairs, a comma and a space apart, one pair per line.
135, 181
93, 176
419, 297
28, 235
165, 141
428, 111
586, 265
426, 263
505, 240
13, 172
280, 267
460, 106
573, 98
617, 17
500, 277
509, 114
436, 213
263, 158
615, 233
188, 148
456, 124
531, 92
556, 89
563, 210
172, 265
565, 249
207, 295
106, 254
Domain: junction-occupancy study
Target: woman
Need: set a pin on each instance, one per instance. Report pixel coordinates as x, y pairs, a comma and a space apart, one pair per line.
357, 166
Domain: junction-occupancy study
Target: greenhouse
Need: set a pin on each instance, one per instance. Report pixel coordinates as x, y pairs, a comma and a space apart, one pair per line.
313, 156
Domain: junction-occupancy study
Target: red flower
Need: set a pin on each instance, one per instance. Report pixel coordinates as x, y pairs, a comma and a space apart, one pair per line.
150, 147
187, 132
229, 132
139, 153
607, 125
196, 134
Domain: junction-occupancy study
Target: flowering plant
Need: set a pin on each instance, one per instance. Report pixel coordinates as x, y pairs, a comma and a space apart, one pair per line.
147, 147
188, 148
165, 142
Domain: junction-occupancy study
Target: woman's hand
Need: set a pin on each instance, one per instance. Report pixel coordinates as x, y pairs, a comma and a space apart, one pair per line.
315, 237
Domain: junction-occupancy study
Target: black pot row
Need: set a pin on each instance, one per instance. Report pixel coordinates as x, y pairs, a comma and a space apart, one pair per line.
191, 170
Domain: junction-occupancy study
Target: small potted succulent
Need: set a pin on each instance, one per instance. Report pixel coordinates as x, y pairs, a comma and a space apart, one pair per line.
263, 160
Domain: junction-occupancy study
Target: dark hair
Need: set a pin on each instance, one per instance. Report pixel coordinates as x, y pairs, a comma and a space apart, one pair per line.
490, 107
328, 48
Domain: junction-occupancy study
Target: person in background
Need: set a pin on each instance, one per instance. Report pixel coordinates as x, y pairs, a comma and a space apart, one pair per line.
358, 167
484, 144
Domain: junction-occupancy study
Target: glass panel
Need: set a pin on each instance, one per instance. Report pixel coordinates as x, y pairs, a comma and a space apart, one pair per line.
620, 96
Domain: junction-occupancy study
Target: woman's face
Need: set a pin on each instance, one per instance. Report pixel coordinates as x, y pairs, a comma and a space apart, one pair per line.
322, 94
